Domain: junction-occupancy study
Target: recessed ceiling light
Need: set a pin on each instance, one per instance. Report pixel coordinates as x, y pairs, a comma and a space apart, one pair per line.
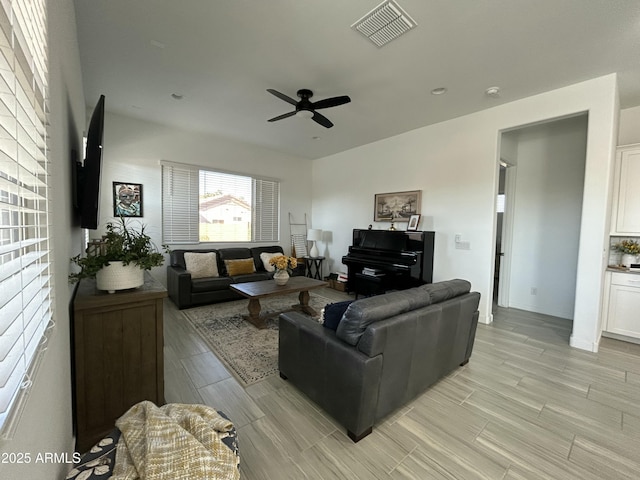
492, 92
177, 96
438, 91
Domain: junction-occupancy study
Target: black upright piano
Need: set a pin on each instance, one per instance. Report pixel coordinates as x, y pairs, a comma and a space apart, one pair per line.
381, 260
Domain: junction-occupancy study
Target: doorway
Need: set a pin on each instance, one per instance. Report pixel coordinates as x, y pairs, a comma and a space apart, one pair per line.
538, 230
506, 179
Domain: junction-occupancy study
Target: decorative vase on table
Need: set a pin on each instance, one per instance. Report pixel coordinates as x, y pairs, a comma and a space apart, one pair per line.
281, 277
117, 276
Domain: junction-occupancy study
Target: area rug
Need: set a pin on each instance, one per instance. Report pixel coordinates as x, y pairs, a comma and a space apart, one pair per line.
249, 353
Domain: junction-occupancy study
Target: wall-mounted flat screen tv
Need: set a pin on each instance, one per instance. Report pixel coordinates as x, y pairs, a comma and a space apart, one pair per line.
88, 175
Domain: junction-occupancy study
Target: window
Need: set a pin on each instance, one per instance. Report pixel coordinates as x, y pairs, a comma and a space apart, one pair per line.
25, 291
200, 205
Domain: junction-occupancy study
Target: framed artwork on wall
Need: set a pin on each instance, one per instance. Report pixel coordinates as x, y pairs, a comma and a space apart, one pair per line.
127, 199
413, 222
397, 206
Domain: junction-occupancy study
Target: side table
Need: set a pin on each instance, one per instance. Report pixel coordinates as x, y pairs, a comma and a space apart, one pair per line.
314, 267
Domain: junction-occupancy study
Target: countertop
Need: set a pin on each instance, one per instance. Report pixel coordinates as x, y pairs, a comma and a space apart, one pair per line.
615, 268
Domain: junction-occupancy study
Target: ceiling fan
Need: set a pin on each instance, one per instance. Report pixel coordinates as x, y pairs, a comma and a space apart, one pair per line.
306, 108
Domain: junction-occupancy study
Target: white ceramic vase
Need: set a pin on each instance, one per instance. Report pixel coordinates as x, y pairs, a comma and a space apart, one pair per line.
117, 276
281, 277
628, 259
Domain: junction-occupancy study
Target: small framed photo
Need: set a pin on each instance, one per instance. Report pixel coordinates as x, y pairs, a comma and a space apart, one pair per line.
414, 220
127, 199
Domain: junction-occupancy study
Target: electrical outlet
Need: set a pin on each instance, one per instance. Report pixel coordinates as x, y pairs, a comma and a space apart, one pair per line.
458, 238
534, 291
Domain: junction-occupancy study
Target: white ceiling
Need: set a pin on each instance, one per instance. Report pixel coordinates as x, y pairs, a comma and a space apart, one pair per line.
222, 55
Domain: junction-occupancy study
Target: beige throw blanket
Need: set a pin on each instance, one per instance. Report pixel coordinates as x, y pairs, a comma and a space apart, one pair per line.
174, 442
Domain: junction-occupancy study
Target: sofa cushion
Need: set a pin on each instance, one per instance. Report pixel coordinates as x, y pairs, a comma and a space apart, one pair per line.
441, 291
201, 265
176, 257
256, 253
241, 266
210, 284
332, 313
265, 257
366, 311
231, 253
251, 277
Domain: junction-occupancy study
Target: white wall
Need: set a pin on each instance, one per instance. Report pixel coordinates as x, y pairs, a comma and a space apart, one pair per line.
546, 216
46, 422
134, 148
629, 126
455, 165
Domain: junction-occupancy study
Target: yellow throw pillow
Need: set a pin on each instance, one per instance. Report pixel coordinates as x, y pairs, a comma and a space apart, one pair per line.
240, 267
201, 265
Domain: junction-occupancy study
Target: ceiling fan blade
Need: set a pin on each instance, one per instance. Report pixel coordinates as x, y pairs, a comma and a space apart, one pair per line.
322, 120
331, 102
280, 117
282, 96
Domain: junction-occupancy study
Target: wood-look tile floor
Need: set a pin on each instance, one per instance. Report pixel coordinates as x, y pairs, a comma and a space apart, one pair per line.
527, 406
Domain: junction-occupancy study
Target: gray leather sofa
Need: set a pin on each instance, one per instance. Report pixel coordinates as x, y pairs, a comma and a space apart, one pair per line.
386, 350
188, 292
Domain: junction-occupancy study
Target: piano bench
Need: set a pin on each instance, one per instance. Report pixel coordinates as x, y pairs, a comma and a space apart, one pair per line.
368, 285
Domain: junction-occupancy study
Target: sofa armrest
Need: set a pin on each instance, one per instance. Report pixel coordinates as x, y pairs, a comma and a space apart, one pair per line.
332, 373
179, 286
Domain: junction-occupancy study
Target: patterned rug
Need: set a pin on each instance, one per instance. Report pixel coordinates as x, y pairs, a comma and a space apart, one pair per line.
249, 353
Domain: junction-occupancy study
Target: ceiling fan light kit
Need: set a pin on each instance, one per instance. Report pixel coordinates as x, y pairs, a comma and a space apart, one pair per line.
304, 114
305, 108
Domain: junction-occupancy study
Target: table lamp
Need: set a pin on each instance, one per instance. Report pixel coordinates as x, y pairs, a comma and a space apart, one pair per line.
314, 234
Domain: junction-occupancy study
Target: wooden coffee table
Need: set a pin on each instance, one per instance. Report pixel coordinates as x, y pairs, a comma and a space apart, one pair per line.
254, 291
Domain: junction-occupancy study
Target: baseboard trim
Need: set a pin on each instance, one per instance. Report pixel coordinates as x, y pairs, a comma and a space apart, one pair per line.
583, 344
486, 319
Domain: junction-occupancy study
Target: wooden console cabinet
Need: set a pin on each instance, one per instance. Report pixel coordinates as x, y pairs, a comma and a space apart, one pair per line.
117, 357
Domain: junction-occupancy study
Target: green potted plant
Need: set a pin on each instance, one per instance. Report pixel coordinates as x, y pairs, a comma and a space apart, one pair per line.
119, 260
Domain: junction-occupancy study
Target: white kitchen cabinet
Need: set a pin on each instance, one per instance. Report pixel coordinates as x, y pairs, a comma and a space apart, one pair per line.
626, 201
622, 304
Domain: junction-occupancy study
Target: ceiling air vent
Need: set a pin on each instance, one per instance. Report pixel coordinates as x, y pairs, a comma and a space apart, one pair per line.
384, 23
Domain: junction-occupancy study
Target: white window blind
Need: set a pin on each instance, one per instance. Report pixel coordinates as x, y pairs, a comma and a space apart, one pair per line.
25, 290
201, 205
266, 218
179, 204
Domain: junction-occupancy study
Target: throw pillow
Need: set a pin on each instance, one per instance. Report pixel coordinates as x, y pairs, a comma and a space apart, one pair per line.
240, 266
201, 265
265, 257
333, 313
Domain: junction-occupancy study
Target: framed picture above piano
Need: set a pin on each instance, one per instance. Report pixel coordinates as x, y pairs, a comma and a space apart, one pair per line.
396, 206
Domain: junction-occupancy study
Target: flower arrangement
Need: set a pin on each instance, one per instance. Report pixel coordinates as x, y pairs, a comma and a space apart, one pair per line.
121, 243
282, 262
629, 247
